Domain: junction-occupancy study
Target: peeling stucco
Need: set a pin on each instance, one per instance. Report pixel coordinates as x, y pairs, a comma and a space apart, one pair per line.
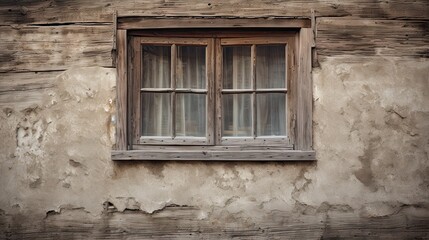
370, 134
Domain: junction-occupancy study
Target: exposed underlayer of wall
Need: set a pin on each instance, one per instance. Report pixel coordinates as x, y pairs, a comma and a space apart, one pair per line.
371, 131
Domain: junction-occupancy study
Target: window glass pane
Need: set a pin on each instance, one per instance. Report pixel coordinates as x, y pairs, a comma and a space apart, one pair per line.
237, 115
156, 114
236, 67
156, 66
270, 117
190, 114
270, 66
191, 67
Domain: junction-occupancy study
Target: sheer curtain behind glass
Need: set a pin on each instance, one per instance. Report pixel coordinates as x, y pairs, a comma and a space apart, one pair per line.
155, 107
191, 107
270, 106
237, 108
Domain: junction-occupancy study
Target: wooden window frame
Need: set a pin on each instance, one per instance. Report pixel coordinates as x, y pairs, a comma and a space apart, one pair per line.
295, 31
288, 39
135, 137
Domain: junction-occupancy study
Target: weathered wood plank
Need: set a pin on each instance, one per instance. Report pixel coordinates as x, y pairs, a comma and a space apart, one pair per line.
134, 86
163, 40
260, 90
21, 90
398, 226
220, 33
48, 12
292, 79
154, 23
183, 222
122, 92
174, 141
218, 85
18, 12
258, 141
368, 37
210, 61
173, 67
55, 48
215, 155
27, 80
205, 148
23, 99
304, 110
268, 8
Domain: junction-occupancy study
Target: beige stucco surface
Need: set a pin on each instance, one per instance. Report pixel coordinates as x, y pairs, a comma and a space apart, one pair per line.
371, 131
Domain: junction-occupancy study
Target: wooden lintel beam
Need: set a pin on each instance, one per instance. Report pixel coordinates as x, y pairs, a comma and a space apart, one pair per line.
130, 23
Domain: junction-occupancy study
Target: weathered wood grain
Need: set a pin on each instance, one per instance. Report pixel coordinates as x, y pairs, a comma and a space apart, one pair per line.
292, 79
215, 155
55, 48
304, 109
173, 67
183, 222
369, 37
192, 22
210, 104
23, 99
27, 80
21, 90
134, 86
220, 33
122, 93
205, 148
257, 141
155, 140
267, 8
18, 12
48, 12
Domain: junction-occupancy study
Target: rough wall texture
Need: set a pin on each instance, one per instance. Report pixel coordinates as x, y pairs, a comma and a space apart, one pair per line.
371, 179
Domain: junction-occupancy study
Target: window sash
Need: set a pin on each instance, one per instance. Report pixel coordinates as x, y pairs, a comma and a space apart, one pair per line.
254, 140
136, 91
214, 83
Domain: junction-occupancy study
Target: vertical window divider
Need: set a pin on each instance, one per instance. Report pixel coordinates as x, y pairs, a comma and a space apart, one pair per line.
173, 87
136, 95
218, 90
287, 89
210, 107
253, 77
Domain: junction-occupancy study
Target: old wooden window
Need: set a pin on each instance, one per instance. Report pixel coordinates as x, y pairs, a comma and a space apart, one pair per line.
172, 91
213, 94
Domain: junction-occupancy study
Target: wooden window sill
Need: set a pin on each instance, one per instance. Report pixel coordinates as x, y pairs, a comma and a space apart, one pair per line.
214, 155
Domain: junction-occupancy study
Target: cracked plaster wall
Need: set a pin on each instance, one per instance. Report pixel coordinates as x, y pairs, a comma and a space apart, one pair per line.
371, 134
